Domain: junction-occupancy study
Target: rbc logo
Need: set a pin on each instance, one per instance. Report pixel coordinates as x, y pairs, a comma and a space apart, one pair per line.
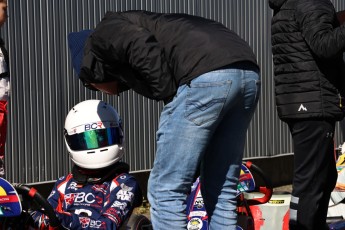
96, 125
81, 197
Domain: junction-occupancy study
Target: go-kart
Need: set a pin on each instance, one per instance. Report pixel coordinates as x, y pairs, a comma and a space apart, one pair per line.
197, 218
17, 201
15, 205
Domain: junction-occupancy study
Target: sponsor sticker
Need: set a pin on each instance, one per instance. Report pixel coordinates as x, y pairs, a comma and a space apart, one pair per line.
276, 201
194, 224
198, 213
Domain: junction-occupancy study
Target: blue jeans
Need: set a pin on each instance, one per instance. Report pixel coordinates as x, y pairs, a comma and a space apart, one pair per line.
202, 130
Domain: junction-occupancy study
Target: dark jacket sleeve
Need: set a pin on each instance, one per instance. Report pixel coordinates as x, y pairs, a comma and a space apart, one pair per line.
122, 50
317, 20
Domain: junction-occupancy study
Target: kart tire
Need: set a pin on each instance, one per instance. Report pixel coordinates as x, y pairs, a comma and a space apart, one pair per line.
139, 222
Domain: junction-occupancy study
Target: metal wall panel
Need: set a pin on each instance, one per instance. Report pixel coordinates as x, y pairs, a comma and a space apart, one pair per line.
44, 87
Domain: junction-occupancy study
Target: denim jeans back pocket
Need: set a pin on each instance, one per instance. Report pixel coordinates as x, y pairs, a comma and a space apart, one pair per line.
205, 100
252, 93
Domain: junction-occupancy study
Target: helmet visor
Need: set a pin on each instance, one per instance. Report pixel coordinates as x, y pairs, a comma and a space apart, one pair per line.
94, 139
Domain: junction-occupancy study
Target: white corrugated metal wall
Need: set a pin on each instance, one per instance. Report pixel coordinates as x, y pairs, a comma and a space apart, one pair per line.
44, 87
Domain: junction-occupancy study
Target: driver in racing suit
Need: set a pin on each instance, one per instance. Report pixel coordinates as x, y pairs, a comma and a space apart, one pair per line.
99, 193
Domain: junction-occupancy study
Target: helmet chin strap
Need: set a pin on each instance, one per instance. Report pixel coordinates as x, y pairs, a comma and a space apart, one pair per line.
95, 176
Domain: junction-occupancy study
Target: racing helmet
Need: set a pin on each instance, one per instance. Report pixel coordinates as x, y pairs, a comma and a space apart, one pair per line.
93, 134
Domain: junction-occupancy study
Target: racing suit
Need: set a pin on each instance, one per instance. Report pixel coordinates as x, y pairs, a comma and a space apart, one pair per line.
93, 205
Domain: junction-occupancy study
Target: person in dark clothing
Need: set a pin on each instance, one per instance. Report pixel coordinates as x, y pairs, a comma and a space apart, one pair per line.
208, 78
307, 45
341, 19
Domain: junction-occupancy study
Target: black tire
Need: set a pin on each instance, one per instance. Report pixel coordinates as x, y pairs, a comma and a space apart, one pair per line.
139, 222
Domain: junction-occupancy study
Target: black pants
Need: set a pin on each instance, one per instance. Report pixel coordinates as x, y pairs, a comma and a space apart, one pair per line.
315, 173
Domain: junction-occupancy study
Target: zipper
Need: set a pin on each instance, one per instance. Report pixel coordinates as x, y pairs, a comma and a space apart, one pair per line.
340, 100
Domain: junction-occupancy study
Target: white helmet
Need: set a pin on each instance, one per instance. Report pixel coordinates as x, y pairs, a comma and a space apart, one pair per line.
94, 135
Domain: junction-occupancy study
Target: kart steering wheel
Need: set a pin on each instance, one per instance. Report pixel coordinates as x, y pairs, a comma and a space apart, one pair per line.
266, 190
34, 195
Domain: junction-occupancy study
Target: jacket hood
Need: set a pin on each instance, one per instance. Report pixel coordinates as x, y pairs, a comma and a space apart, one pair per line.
276, 4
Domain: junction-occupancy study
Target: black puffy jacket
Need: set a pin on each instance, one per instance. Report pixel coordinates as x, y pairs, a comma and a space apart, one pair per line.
308, 45
154, 53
